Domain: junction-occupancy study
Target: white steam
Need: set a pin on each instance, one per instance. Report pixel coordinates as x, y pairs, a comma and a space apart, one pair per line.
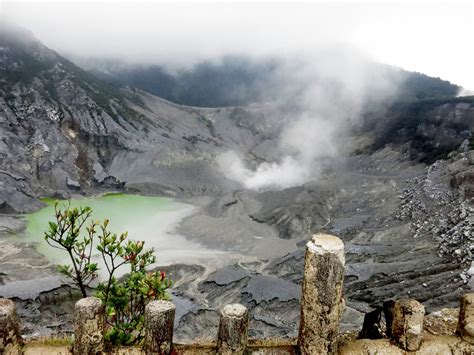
287, 172
465, 92
308, 140
331, 92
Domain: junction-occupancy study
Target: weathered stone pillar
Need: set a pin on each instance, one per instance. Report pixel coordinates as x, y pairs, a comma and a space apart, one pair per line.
89, 318
159, 322
233, 328
10, 337
407, 324
466, 318
322, 301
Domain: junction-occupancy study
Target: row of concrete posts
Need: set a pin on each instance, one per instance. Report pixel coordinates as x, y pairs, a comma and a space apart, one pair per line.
322, 304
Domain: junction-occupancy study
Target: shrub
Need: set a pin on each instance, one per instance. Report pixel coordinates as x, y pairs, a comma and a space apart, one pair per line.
64, 234
124, 299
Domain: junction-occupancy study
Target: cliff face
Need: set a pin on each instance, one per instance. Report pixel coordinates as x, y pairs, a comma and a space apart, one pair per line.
64, 131
430, 128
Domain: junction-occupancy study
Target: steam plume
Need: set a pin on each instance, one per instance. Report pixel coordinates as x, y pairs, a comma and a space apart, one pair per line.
331, 92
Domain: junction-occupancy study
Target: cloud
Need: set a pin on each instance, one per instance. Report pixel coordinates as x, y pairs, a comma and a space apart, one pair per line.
465, 92
432, 38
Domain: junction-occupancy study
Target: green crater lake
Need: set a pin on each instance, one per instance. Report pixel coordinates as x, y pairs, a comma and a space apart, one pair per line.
150, 219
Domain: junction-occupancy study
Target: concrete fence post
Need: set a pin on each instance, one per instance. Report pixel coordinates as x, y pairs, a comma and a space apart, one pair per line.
159, 323
407, 324
233, 329
89, 321
466, 318
322, 300
10, 337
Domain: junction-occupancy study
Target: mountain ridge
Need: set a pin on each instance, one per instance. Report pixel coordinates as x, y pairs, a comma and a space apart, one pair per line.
238, 80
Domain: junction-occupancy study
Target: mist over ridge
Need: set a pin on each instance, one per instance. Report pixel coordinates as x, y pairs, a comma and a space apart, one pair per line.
323, 97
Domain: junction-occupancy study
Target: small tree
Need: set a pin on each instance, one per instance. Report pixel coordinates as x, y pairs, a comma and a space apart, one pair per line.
64, 234
124, 299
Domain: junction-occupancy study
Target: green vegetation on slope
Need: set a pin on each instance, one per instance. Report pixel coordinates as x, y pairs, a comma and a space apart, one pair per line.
240, 81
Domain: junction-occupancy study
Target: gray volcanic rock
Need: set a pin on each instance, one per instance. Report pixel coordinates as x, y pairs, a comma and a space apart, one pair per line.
405, 216
227, 275
73, 184
29, 289
64, 130
266, 288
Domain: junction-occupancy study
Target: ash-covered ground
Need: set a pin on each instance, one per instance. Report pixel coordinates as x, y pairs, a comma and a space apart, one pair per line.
407, 230
400, 195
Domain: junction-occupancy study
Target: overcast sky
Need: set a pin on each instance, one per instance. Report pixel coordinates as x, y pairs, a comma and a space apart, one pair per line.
433, 38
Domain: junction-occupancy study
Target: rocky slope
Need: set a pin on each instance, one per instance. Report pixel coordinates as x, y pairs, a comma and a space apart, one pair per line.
63, 131
406, 216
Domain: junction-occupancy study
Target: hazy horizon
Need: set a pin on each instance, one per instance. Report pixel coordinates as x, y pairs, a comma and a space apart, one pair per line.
427, 38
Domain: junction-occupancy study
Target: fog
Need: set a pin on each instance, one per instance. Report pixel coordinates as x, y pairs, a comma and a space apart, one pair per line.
329, 50
433, 38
